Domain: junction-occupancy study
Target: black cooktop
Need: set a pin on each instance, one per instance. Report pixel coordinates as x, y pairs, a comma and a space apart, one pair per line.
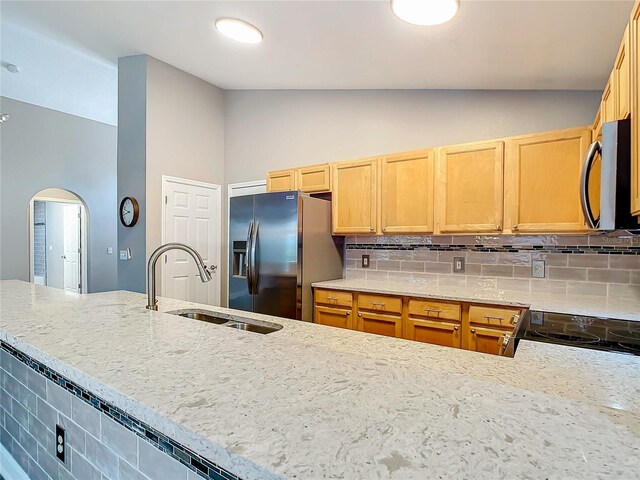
597, 333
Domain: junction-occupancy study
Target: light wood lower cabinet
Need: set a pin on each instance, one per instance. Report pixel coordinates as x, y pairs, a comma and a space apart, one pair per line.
447, 334
379, 323
485, 340
482, 328
333, 317
542, 181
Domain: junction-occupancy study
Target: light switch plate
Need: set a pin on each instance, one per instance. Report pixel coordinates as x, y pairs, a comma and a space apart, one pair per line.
125, 254
537, 269
458, 264
365, 261
109, 250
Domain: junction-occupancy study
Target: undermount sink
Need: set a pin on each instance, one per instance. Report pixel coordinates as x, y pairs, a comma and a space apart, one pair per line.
210, 317
204, 317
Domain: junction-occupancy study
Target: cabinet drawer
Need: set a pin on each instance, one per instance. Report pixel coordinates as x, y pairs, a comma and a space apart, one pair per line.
334, 298
333, 317
442, 333
380, 324
494, 316
434, 309
379, 303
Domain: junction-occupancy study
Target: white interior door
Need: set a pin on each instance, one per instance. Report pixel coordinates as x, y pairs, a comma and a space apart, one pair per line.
71, 242
191, 216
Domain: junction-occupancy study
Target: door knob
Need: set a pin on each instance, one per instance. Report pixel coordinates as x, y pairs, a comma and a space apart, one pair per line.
64, 257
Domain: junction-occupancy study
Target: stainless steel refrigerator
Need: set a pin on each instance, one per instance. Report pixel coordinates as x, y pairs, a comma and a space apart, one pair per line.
280, 243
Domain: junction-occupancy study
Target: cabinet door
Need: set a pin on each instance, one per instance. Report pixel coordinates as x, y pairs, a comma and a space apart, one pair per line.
281, 181
433, 331
542, 181
609, 101
621, 75
469, 187
315, 179
596, 130
389, 325
635, 109
333, 317
406, 193
485, 340
353, 202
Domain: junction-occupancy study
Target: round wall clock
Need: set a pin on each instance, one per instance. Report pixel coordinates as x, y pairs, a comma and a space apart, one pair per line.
129, 211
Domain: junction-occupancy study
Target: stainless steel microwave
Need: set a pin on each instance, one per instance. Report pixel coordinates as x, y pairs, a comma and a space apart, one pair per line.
607, 204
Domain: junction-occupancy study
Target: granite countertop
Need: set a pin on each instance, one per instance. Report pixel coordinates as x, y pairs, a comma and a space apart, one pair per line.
620, 308
313, 402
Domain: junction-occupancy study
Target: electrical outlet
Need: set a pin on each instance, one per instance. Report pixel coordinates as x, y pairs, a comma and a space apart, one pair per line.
60, 444
365, 261
109, 250
537, 269
125, 254
458, 264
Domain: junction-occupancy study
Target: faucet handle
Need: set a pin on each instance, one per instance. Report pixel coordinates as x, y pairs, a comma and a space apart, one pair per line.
212, 268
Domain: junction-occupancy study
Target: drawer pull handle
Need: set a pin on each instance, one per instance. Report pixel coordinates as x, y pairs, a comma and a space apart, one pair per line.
377, 304
515, 319
332, 298
434, 310
503, 341
492, 317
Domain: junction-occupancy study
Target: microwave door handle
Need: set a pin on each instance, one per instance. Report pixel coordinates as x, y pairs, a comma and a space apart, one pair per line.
247, 259
594, 149
254, 265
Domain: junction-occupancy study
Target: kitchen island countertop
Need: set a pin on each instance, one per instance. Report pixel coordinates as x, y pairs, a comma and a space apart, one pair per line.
313, 402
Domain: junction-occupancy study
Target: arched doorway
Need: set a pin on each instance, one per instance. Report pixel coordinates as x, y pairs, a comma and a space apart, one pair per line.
57, 240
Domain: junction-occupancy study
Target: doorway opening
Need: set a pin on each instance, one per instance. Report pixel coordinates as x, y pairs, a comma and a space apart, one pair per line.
57, 240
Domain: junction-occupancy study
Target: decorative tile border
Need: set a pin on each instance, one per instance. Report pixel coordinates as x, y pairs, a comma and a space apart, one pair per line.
182, 454
567, 249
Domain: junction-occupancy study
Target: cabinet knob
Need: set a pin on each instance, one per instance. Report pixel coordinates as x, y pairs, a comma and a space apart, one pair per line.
497, 227
473, 331
348, 313
371, 229
515, 227
359, 314
455, 328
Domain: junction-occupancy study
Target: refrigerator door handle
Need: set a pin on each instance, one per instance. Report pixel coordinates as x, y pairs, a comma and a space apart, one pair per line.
254, 266
594, 149
247, 261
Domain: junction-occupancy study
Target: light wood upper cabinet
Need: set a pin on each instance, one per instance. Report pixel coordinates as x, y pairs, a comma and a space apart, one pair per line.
596, 130
354, 199
608, 106
542, 181
281, 180
622, 79
406, 193
469, 187
314, 179
635, 109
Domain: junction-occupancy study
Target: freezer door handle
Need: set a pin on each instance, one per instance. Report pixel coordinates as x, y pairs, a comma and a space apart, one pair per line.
254, 266
247, 261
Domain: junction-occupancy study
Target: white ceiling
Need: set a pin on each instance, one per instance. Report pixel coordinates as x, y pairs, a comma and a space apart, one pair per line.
350, 44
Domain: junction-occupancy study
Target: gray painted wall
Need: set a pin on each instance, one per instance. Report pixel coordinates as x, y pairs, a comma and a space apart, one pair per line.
169, 123
42, 148
132, 117
272, 129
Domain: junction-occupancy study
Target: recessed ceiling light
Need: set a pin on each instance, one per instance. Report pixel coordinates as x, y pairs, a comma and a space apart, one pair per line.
238, 30
425, 12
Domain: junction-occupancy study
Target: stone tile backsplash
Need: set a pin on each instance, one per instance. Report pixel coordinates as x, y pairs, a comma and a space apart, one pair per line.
597, 264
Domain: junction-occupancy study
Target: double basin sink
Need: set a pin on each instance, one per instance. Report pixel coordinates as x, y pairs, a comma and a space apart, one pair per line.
211, 317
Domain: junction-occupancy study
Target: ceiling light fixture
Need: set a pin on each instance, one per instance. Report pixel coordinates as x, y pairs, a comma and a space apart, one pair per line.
425, 12
238, 30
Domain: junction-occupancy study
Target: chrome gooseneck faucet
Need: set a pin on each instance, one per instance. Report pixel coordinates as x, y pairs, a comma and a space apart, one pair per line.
205, 275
